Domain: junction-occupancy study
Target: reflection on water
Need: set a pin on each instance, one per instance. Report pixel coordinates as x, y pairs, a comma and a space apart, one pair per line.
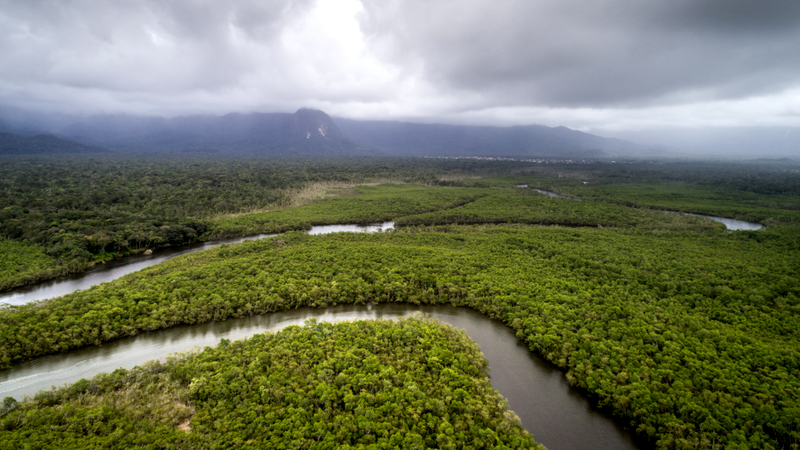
558, 416
733, 224
112, 270
325, 229
551, 194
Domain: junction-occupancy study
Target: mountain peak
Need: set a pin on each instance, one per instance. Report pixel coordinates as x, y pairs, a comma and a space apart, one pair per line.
313, 124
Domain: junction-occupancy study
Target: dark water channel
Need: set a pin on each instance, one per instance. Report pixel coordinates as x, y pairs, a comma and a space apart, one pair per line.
558, 416
112, 270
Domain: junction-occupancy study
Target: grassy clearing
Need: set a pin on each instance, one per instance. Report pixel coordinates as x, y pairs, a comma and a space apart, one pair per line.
371, 204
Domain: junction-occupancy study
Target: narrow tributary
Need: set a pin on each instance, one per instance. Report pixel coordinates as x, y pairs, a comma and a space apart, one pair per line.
103, 273
731, 224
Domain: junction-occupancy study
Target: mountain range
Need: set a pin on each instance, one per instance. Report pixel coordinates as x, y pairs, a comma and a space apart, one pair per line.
310, 132
402, 138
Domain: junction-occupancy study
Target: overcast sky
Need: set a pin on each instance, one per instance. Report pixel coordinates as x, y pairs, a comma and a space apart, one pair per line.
596, 65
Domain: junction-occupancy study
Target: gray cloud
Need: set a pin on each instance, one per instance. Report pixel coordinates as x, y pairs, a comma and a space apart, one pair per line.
147, 47
602, 53
608, 64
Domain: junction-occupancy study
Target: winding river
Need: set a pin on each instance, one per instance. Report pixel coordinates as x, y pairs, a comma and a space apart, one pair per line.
112, 270
548, 193
558, 416
731, 224
103, 273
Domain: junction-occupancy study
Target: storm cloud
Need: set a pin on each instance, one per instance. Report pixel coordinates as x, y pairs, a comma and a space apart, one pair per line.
181, 56
605, 53
613, 64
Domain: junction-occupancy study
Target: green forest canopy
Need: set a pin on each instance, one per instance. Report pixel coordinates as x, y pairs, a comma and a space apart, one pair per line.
684, 329
691, 337
74, 212
413, 383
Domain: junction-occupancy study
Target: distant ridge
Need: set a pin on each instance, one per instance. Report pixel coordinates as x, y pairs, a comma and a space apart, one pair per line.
307, 132
402, 138
12, 144
312, 133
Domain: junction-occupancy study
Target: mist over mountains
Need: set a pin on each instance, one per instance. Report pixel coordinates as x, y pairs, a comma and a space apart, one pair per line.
299, 134
402, 138
304, 133
310, 132
42, 144
723, 142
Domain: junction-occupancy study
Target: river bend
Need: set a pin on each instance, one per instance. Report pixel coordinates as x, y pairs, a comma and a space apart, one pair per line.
103, 273
558, 416
731, 224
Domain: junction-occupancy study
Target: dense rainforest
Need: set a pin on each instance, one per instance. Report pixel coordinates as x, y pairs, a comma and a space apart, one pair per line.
683, 329
414, 383
693, 338
62, 215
